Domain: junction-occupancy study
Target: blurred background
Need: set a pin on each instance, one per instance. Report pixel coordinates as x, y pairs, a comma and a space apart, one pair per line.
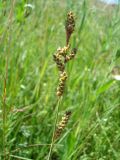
30, 33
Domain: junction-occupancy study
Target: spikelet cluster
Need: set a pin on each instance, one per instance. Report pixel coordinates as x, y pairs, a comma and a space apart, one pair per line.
63, 51
70, 25
61, 86
71, 55
61, 126
62, 56
58, 57
59, 63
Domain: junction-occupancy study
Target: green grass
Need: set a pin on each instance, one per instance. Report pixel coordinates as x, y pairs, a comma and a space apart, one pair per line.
27, 115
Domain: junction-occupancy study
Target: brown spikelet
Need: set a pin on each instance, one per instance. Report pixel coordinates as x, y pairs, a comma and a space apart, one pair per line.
59, 63
63, 51
61, 86
70, 25
71, 55
62, 125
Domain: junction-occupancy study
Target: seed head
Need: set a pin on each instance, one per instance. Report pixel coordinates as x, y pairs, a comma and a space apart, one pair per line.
70, 25
61, 86
71, 55
62, 125
63, 51
59, 63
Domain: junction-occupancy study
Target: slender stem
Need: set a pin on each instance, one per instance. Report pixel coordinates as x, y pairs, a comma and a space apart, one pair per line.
4, 109
29, 146
82, 23
54, 129
4, 118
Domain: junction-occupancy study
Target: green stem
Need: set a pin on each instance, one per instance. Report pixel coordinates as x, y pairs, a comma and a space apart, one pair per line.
4, 109
4, 119
54, 129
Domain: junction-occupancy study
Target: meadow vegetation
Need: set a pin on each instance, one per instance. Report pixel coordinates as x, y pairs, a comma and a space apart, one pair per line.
30, 33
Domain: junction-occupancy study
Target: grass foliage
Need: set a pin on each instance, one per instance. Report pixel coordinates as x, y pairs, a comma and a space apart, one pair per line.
29, 36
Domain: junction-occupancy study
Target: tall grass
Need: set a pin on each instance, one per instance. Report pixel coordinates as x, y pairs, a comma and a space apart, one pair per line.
27, 109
